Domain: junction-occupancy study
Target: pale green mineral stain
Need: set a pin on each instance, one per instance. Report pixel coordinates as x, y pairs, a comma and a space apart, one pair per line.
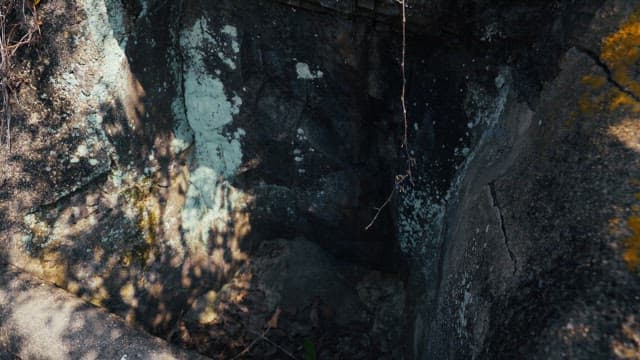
304, 72
209, 109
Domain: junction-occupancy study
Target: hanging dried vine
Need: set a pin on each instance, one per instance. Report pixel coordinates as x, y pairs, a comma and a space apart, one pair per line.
408, 175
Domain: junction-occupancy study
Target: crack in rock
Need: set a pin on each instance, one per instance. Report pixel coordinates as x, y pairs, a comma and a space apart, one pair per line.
601, 64
496, 205
96, 178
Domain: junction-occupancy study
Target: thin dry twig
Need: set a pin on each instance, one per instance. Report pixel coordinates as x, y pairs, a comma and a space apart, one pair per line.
398, 183
263, 337
251, 344
405, 138
271, 324
379, 209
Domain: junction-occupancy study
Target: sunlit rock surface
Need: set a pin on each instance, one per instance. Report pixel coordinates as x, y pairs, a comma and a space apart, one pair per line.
39, 321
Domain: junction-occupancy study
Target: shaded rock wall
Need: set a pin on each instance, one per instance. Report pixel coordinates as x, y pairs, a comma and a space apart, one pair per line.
230, 130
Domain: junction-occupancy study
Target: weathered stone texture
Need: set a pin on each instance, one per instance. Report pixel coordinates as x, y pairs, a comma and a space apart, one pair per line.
199, 166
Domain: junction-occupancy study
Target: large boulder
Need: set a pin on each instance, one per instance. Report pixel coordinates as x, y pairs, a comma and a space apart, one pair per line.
40, 321
157, 153
539, 256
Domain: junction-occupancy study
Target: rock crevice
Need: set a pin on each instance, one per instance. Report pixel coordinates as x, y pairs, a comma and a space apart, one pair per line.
503, 229
605, 68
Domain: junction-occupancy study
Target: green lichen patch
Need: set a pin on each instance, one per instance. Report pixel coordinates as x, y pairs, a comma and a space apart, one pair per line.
142, 198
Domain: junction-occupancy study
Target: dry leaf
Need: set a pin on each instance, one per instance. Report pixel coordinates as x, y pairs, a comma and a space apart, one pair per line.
273, 322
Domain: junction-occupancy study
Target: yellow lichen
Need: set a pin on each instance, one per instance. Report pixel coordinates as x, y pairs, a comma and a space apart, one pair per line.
621, 52
144, 201
629, 231
620, 99
631, 255
594, 81
591, 103
614, 223
148, 222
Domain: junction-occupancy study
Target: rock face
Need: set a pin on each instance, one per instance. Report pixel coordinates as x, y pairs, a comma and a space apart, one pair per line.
42, 322
181, 153
538, 257
206, 170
